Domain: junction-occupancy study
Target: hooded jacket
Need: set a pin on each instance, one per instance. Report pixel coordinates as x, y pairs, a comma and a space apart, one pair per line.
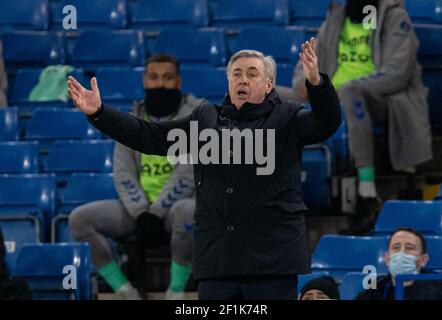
397, 78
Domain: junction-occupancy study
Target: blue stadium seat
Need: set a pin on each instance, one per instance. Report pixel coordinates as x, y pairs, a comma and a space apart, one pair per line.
431, 78
80, 188
284, 74
156, 15
60, 124
237, 14
120, 86
27, 202
24, 15
430, 49
283, 44
23, 83
424, 11
434, 245
50, 124
316, 171
311, 15
352, 285
44, 266
117, 48
9, 124
92, 14
205, 82
424, 216
303, 279
191, 47
19, 157
32, 49
80, 156
342, 254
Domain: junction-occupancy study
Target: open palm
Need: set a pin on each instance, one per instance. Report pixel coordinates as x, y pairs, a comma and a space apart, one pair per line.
88, 101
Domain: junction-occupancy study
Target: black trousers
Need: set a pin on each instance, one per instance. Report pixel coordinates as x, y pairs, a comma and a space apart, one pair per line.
249, 288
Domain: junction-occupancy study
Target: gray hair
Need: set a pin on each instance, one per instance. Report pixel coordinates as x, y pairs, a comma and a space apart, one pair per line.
269, 62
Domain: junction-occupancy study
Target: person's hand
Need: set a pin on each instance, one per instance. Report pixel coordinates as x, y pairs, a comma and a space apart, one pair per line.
88, 101
310, 62
150, 231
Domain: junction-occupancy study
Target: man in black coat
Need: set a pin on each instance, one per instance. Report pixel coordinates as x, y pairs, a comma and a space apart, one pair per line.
250, 238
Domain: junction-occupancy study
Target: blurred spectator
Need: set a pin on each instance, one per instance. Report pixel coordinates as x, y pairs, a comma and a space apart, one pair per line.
407, 254
378, 78
322, 288
155, 198
3, 80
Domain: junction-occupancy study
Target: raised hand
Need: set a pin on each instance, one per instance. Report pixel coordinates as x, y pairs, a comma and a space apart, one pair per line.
88, 101
310, 61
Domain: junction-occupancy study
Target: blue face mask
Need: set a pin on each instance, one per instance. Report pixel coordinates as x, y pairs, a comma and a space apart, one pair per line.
401, 263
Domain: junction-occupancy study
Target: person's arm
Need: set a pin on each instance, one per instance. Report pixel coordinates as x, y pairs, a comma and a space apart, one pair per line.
316, 125
319, 123
148, 138
399, 53
126, 180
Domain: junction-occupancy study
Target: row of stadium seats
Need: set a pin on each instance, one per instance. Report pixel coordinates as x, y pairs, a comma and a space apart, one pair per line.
92, 49
153, 15
207, 47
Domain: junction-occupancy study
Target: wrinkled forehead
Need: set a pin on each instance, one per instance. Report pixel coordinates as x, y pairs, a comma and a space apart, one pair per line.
248, 63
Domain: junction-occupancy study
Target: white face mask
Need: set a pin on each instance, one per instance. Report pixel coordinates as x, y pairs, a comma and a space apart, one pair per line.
401, 263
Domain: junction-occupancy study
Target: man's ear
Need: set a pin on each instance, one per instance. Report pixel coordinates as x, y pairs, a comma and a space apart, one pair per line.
424, 260
269, 87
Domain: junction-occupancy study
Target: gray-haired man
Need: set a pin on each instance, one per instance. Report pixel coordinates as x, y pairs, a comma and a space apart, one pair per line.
249, 235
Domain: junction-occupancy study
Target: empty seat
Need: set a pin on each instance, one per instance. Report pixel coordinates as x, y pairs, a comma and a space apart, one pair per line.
206, 82
116, 48
311, 15
283, 44
316, 172
120, 86
24, 15
353, 284
32, 49
19, 157
80, 188
237, 14
434, 245
342, 254
430, 48
49, 124
155, 15
9, 130
58, 271
192, 47
423, 216
26, 202
92, 14
80, 156
431, 78
424, 11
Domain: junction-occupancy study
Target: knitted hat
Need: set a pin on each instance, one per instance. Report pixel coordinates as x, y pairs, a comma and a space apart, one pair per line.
325, 284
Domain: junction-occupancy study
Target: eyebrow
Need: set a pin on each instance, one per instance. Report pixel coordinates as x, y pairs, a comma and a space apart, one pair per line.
248, 69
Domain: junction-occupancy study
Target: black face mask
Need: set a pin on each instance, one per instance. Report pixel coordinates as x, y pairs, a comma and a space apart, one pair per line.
354, 9
161, 102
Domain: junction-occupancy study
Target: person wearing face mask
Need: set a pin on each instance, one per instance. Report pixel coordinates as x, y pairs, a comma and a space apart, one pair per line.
407, 254
375, 70
155, 197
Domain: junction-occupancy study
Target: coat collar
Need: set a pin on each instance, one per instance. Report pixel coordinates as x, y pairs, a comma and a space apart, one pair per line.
250, 111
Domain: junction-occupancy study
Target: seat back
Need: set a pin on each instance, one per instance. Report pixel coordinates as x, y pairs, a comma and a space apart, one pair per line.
9, 129
19, 157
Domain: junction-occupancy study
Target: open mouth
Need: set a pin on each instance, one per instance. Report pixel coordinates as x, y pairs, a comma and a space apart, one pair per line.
242, 93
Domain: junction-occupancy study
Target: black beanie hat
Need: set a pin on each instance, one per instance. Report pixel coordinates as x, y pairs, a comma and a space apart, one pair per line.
325, 284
